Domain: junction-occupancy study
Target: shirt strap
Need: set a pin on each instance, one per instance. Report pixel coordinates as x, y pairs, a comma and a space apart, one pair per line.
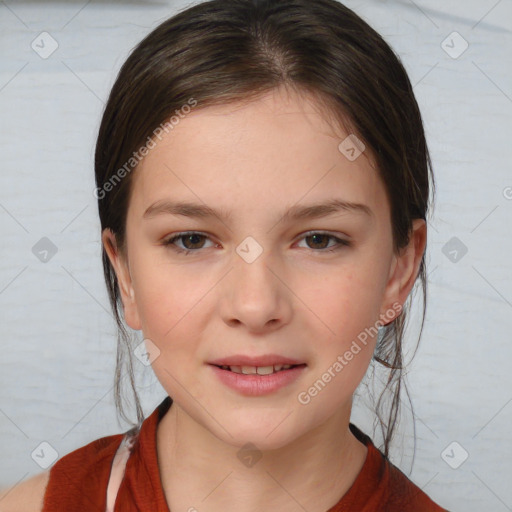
118, 469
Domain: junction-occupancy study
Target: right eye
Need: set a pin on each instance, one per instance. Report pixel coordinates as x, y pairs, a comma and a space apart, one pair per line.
190, 237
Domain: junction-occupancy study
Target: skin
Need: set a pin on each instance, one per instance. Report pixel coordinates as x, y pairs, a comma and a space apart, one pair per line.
256, 160
27, 495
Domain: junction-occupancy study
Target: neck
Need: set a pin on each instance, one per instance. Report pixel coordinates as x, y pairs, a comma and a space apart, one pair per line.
199, 471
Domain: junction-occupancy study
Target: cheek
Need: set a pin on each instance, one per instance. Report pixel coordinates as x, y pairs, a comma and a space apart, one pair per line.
332, 388
166, 307
349, 311
348, 303
169, 307
170, 299
348, 300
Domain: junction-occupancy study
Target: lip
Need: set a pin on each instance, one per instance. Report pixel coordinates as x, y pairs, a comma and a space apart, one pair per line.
258, 385
264, 360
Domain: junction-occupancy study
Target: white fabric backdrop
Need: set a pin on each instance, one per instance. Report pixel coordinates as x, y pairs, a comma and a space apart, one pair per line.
57, 333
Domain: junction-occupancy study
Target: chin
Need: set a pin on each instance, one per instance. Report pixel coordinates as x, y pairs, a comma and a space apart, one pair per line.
264, 429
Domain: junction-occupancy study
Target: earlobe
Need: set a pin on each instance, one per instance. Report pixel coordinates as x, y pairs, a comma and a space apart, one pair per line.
120, 265
404, 269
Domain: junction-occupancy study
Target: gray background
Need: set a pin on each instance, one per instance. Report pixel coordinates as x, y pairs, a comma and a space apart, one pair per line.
57, 332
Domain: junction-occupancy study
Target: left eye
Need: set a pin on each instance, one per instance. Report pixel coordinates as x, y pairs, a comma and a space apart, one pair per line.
191, 239
317, 237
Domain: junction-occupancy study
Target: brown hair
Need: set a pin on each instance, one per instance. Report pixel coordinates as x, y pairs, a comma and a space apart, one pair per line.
226, 51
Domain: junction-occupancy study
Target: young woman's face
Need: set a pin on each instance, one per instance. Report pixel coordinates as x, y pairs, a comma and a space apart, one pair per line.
266, 276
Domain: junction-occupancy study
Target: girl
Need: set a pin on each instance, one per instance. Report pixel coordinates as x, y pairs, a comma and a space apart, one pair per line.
263, 184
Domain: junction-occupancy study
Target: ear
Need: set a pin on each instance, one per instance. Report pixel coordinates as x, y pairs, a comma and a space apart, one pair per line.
404, 270
119, 262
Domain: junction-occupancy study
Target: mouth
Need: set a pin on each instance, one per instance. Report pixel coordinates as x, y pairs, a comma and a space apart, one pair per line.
260, 378
259, 370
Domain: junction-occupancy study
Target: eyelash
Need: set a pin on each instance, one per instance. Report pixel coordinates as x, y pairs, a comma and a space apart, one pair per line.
170, 242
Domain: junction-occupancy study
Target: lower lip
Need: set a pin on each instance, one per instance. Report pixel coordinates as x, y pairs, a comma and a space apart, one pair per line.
257, 385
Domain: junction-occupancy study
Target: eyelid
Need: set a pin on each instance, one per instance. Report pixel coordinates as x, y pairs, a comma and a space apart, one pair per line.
169, 241
339, 242
324, 232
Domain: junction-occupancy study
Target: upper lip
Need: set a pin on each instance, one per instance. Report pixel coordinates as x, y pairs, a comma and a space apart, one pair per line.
265, 360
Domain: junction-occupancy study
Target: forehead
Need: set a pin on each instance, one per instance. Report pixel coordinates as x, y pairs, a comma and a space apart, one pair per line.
277, 149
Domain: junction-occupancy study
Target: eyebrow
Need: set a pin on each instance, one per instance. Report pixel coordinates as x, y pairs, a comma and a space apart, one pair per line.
297, 212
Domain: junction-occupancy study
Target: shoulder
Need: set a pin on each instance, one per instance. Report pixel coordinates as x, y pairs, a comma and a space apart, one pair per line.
382, 486
403, 494
78, 478
25, 497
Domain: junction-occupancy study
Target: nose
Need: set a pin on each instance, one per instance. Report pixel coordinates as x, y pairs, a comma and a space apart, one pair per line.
254, 295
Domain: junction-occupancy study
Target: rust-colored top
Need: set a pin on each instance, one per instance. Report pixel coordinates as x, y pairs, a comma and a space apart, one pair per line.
79, 480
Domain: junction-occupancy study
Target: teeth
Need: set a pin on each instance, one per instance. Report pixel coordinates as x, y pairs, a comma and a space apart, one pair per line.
265, 370
259, 370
